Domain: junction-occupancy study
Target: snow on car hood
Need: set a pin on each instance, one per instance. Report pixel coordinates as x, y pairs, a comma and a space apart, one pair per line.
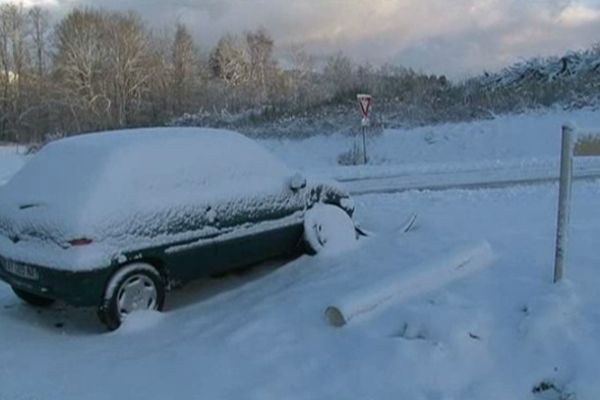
126, 186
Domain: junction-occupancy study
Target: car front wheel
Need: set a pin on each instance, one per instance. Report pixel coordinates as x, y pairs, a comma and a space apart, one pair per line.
33, 299
328, 229
135, 287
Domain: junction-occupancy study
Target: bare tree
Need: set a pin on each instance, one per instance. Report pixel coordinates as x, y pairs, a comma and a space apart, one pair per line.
185, 68
261, 65
128, 72
159, 95
103, 61
40, 27
339, 73
305, 88
15, 60
79, 61
229, 61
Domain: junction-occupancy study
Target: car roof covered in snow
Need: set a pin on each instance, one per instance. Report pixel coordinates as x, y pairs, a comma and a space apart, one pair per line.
138, 169
142, 159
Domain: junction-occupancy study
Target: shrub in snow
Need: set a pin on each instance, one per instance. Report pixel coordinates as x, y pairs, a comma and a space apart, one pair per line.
352, 156
547, 390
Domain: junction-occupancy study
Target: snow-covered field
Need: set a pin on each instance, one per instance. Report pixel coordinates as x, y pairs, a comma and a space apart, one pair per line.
495, 335
504, 333
517, 141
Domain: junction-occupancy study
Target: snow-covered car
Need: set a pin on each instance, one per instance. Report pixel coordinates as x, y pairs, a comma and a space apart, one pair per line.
112, 220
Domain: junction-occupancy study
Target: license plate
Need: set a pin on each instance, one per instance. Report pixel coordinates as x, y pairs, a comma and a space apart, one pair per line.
21, 270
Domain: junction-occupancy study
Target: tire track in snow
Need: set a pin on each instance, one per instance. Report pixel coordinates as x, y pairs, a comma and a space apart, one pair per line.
469, 179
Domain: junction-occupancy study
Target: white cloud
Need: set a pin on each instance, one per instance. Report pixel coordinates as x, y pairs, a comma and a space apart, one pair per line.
578, 15
33, 3
451, 36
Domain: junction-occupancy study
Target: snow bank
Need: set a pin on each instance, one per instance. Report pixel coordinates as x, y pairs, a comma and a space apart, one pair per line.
140, 321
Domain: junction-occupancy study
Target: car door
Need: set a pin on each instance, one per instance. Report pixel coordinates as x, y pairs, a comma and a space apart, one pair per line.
195, 255
260, 227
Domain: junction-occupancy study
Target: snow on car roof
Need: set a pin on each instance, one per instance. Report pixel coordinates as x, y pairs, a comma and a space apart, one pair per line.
143, 161
118, 186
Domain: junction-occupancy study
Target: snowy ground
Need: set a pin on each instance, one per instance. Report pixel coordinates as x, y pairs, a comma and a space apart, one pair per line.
262, 335
495, 335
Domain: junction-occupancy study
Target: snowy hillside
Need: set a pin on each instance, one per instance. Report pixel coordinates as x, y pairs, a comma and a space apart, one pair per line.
503, 333
569, 66
520, 140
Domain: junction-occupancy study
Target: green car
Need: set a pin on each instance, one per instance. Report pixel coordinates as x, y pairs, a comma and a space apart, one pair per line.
113, 220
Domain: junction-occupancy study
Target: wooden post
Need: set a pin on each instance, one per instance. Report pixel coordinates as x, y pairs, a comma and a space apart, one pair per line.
564, 202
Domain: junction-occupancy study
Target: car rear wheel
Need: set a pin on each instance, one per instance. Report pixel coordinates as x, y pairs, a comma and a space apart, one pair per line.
135, 287
328, 228
33, 299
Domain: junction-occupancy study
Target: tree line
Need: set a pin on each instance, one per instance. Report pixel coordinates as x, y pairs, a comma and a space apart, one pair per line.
97, 69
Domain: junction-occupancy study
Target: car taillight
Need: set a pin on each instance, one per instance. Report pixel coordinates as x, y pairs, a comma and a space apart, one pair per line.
80, 242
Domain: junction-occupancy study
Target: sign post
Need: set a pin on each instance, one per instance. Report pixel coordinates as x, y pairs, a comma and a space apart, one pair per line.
365, 101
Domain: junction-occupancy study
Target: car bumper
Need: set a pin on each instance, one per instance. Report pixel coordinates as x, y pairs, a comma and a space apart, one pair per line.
78, 288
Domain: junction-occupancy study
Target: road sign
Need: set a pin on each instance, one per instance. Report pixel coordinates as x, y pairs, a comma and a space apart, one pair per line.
365, 101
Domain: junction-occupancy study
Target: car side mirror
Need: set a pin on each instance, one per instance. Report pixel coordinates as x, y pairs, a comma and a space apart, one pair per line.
297, 182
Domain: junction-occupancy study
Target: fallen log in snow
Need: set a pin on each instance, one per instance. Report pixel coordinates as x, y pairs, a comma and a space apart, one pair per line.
427, 277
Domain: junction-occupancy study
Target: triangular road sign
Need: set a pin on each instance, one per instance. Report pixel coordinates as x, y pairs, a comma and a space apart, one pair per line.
365, 101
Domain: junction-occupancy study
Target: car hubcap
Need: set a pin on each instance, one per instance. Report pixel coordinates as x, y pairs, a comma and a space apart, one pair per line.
138, 292
320, 236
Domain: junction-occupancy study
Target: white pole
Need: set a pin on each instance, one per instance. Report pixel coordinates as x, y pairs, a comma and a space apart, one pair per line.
564, 202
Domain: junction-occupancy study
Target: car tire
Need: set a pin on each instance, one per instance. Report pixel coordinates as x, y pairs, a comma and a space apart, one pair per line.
134, 287
33, 299
324, 224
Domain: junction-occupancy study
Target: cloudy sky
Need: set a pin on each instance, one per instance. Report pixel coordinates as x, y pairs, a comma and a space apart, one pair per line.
456, 37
